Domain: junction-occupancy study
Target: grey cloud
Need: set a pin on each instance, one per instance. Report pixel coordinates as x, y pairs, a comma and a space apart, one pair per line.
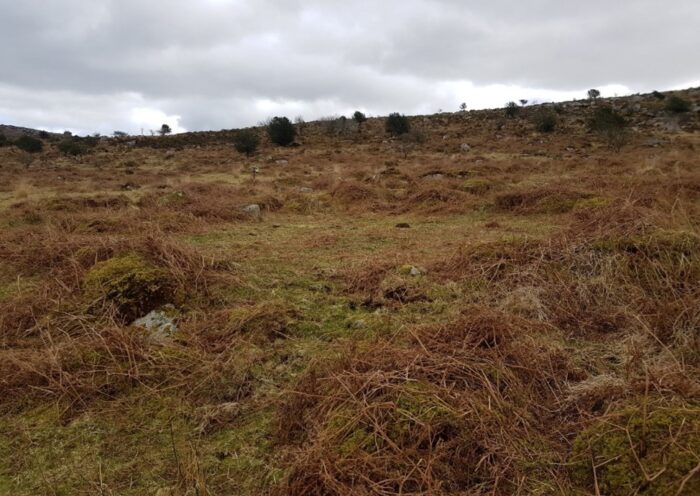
225, 63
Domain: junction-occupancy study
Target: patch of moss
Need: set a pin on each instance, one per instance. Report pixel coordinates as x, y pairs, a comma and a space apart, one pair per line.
630, 448
131, 284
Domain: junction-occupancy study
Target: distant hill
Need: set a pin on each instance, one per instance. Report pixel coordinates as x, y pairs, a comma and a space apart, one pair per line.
14, 132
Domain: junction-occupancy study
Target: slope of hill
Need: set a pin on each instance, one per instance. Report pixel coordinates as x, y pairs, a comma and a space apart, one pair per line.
478, 307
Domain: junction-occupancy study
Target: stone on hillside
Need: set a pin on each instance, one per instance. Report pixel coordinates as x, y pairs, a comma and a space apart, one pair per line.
306, 190
160, 322
465, 147
253, 210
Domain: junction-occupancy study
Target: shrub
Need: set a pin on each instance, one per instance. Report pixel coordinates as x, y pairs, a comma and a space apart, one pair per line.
29, 144
545, 120
658, 95
677, 105
246, 141
281, 131
131, 284
3, 140
44, 135
165, 129
512, 110
593, 94
72, 147
611, 126
336, 126
397, 124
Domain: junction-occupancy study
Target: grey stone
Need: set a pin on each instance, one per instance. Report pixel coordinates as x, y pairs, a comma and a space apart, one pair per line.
160, 322
253, 210
465, 147
306, 190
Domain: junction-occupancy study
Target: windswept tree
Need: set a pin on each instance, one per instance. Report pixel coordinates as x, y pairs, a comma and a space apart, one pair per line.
463, 107
523, 102
512, 110
360, 118
164, 130
300, 124
593, 94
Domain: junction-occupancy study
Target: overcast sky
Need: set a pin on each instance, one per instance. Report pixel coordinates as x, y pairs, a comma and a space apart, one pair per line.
105, 65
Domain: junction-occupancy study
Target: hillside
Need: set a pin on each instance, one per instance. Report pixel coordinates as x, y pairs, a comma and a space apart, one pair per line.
476, 307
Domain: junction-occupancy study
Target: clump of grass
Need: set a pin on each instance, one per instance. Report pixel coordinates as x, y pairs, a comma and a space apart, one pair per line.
541, 200
448, 396
635, 450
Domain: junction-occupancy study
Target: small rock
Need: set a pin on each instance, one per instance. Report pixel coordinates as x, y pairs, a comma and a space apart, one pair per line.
411, 270
281, 162
358, 324
160, 322
253, 210
306, 190
654, 142
434, 177
465, 147
170, 153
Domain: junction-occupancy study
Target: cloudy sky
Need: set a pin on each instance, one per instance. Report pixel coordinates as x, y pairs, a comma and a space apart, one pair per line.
105, 65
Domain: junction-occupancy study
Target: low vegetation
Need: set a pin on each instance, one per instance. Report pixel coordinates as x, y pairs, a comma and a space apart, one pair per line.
471, 305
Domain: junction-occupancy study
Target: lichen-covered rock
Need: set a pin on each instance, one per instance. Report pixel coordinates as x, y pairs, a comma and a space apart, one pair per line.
131, 284
160, 322
631, 447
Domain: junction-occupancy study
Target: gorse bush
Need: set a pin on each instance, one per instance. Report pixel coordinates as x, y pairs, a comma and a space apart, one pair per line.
3, 140
397, 124
281, 131
610, 125
29, 144
677, 105
246, 141
593, 94
545, 120
72, 147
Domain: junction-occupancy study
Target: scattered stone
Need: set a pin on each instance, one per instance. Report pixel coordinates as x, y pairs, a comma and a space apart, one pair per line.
434, 177
654, 142
403, 225
253, 210
465, 148
281, 162
306, 190
357, 324
411, 270
131, 144
160, 322
170, 153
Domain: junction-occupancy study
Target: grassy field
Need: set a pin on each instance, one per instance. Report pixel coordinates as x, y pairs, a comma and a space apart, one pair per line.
521, 317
